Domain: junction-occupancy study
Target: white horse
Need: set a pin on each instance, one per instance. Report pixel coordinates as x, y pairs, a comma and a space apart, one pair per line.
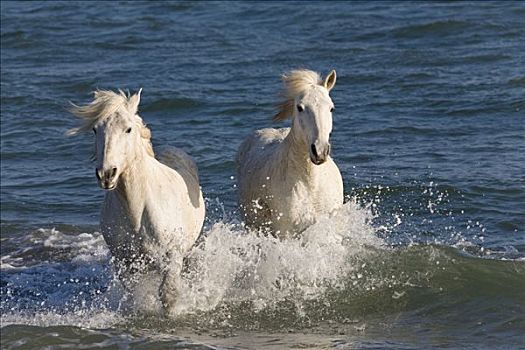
153, 212
286, 177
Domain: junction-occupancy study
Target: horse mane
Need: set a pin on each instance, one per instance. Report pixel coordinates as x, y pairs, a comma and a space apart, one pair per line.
106, 104
295, 82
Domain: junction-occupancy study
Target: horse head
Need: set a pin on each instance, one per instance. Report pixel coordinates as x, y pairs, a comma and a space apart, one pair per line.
310, 106
120, 135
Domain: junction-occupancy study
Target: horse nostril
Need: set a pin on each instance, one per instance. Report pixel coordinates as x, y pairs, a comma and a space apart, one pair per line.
314, 151
113, 172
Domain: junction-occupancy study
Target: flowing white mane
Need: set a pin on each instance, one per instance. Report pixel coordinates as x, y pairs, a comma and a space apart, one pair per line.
296, 82
106, 104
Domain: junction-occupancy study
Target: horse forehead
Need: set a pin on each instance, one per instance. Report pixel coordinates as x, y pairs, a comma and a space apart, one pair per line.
116, 120
316, 96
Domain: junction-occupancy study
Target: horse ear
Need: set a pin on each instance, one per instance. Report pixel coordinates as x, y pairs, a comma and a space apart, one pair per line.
330, 79
134, 101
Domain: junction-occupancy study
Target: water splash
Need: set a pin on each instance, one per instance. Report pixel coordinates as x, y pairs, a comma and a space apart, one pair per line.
233, 264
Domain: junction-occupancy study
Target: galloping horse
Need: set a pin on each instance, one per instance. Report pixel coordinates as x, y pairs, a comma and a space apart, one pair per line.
153, 212
286, 177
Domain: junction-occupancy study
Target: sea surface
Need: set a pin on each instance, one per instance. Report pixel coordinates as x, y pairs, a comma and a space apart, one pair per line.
429, 134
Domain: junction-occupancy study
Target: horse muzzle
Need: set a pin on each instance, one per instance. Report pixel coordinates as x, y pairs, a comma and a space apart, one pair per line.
319, 155
107, 178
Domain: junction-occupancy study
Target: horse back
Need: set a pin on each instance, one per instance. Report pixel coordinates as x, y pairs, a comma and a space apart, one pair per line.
179, 161
259, 145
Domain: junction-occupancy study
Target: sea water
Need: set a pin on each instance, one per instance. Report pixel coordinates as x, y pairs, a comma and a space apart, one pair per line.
427, 252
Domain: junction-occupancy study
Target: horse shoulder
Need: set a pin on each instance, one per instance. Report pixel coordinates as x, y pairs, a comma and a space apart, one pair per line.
177, 208
257, 162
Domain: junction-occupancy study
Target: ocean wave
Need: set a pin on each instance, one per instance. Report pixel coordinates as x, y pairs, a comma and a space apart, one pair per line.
438, 27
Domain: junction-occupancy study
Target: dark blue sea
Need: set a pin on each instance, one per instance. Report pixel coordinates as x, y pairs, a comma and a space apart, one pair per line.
429, 135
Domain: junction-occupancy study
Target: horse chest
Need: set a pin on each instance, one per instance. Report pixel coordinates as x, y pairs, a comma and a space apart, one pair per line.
139, 228
293, 206
298, 204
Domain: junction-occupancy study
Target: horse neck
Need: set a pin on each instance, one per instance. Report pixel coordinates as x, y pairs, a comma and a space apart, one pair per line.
132, 189
296, 156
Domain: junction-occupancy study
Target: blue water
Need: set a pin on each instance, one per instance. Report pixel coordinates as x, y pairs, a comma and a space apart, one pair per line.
429, 135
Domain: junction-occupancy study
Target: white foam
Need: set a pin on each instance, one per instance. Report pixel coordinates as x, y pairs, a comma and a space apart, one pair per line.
89, 247
82, 318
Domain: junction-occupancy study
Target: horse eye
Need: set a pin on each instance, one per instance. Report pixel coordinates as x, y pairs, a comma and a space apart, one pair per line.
94, 130
300, 108
128, 131
332, 109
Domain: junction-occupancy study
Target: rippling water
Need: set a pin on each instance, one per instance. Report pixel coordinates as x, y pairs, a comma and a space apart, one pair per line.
429, 134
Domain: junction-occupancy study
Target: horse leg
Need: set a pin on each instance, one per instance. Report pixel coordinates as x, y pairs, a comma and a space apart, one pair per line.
169, 288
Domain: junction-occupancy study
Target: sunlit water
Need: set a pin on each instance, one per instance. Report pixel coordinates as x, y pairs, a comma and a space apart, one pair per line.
429, 134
